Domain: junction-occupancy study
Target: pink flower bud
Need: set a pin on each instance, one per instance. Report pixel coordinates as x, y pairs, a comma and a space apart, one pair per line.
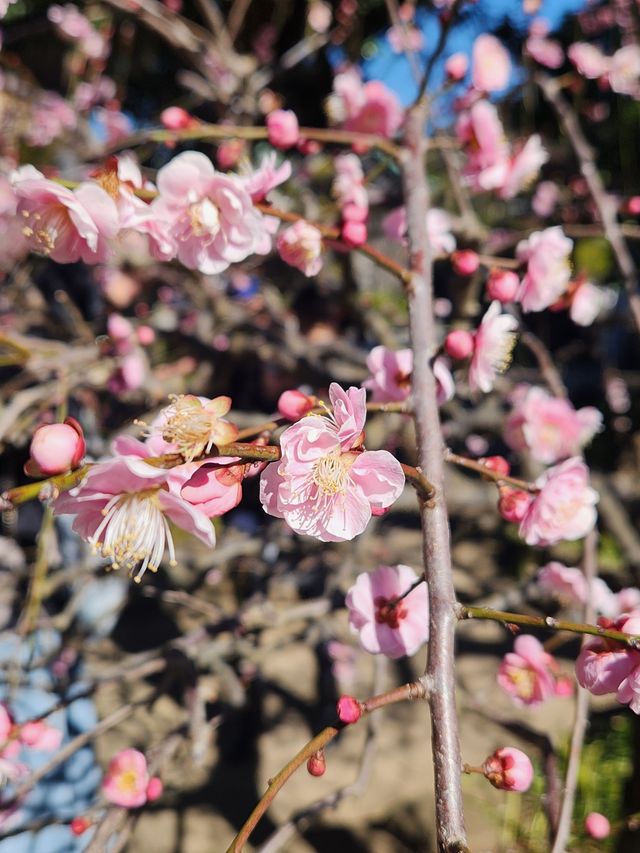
56, 448
509, 769
459, 344
175, 118
456, 66
229, 152
354, 233
283, 130
308, 146
317, 764
502, 285
79, 825
146, 335
154, 789
633, 206
354, 212
465, 261
119, 328
349, 710
294, 405
496, 463
596, 825
513, 504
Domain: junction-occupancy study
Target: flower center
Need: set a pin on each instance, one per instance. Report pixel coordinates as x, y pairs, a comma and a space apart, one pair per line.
204, 218
331, 473
524, 682
189, 426
134, 533
389, 611
43, 229
128, 781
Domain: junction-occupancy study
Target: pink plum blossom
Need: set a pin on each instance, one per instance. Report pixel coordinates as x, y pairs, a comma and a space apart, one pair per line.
624, 70
75, 27
528, 673
67, 225
545, 198
589, 301
324, 485
121, 508
480, 131
546, 254
524, 165
597, 825
268, 175
513, 503
211, 216
39, 735
549, 428
564, 508
490, 64
390, 371
547, 52
365, 108
405, 37
300, 246
494, 341
283, 130
509, 769
126, 780
570, 586
51, 116
214, 487
589, 60
384, 624
56, 448
439, 226
607, 666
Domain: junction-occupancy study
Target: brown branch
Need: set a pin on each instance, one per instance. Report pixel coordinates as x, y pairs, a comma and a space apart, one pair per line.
479, 468
440, 669
549, 371
414, 690
581, 714
604, 203
468, 611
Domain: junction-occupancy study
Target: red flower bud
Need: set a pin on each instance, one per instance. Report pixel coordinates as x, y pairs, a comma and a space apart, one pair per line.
459, 344
465, 261
513, 503
349, 709
502, 285
354, 233
294, 405
496, 463
317, 765
79, 825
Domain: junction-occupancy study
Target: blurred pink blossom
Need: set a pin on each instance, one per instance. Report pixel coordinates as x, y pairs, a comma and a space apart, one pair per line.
490, 64
564, 508
528, 673
390, 371
589, 301
51, 116
624, 70
384, 624
588, 59
364, 107
300, 245
546, 254
597, 825
260, 181
439, 226
283, 130
549, 427
126, 780
545, 198
493, 343
545, 51
75, 27
324, 485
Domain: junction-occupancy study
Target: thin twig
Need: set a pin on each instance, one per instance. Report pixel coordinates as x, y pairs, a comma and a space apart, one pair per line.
581, 715
604, 203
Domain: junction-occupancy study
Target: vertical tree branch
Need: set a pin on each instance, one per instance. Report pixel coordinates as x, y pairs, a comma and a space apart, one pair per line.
606, 208
435, 524
581, 717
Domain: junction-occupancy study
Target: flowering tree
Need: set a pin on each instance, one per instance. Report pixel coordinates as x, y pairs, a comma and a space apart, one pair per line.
441, 309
